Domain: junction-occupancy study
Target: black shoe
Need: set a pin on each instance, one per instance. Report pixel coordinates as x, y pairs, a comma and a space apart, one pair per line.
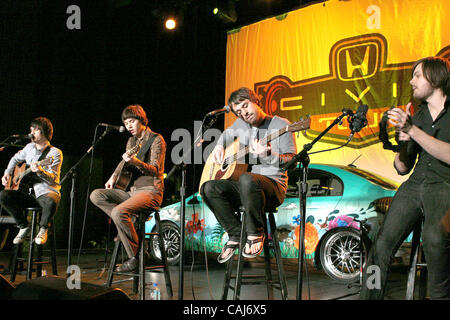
128, 266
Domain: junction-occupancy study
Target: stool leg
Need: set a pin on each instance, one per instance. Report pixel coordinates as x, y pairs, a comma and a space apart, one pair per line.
423, 273
413, 263
112, 263
142, 269
237, 286
30, 252
53, 250
276, 246
39, 259
267, 266
162, 249
226, 280
17, 249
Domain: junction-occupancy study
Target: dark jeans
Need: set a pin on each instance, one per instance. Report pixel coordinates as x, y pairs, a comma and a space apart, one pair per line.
15, 203
253, 191
404, 212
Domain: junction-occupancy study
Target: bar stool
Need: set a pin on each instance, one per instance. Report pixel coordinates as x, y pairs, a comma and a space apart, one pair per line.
40, 260
417, 264
139, 275
271, 242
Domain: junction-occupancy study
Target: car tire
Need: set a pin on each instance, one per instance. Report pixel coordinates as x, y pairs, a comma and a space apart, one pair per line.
340, 256
171, 236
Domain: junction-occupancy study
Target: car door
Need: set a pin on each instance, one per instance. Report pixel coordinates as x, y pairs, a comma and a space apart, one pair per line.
324, 192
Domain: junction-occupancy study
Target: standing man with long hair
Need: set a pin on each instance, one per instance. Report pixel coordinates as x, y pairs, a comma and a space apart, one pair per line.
426, 193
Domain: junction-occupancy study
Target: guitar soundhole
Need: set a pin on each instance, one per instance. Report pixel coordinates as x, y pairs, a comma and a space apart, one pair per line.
224, 167
220, 173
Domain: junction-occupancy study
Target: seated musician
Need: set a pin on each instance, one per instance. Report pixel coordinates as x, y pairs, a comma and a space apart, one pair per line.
144, 191
264, 185
43, 180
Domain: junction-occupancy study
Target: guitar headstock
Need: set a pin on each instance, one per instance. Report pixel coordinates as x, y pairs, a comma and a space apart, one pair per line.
132, 151
302, 124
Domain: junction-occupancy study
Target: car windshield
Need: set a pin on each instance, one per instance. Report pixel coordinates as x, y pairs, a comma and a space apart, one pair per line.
381, 181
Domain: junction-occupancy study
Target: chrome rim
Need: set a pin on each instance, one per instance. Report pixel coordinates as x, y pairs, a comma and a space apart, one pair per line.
342, 255
171, 237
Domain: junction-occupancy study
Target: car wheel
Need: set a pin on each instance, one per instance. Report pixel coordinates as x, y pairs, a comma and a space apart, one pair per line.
340, 254
171, 237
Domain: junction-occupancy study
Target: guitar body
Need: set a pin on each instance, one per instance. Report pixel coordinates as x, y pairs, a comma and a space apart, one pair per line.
234, 156
125, 175
15, 180
22, 177
232, 171
123, 180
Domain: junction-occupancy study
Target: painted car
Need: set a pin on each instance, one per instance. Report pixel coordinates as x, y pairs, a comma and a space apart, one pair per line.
338, 197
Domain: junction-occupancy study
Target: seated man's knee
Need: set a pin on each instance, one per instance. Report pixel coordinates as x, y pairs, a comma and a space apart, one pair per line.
246, 182
116, 214
209, 188
96, 196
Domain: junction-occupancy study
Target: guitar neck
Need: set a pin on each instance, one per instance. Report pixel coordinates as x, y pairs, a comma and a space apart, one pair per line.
28, 170
245, 150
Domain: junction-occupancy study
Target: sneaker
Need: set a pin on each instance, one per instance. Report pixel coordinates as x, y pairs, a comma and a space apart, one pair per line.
41, 237
21, 235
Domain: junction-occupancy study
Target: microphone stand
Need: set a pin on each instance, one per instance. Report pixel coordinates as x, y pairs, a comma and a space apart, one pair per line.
73, 174
182, 166
303, 158
5, 145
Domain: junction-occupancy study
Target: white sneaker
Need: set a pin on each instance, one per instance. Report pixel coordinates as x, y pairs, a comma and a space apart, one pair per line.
41, 237
21, 235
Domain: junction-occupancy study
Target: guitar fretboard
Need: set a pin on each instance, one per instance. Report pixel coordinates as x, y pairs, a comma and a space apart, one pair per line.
246, 149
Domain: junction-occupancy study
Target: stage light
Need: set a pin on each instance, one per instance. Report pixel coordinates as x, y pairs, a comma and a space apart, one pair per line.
170, 23
228, 14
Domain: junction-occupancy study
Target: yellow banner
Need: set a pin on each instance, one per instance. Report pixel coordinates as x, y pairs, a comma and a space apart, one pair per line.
338, 54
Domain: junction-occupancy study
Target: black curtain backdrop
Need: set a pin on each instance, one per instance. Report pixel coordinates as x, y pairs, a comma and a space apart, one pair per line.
79, 78
122, 55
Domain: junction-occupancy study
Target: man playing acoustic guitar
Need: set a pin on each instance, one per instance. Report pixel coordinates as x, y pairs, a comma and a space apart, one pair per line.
142, 171
263, 185
45, 166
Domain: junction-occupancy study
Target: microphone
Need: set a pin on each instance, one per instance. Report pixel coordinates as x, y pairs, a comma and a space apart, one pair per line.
358, 120
217, 112
22, 136
110, 126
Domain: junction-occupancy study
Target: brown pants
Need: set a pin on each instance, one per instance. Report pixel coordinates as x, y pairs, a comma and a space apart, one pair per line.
121, 206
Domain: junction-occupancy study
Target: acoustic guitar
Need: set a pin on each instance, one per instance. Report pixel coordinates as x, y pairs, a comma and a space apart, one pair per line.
233, 167
125, 173
21, 180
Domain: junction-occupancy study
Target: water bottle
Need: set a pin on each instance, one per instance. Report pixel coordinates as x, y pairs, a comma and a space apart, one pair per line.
155, 294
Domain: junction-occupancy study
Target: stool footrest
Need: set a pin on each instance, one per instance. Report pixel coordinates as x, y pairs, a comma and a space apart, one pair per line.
154, 267
421, 264
126, 274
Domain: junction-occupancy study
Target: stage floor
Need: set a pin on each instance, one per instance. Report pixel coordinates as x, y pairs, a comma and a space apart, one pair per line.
204, 281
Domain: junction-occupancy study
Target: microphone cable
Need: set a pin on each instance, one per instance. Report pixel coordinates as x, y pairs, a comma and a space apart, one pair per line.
87, 199
332, 149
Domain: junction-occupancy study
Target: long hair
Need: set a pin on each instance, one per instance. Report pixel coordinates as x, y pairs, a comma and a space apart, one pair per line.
44, 125
135, 111
436, 70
